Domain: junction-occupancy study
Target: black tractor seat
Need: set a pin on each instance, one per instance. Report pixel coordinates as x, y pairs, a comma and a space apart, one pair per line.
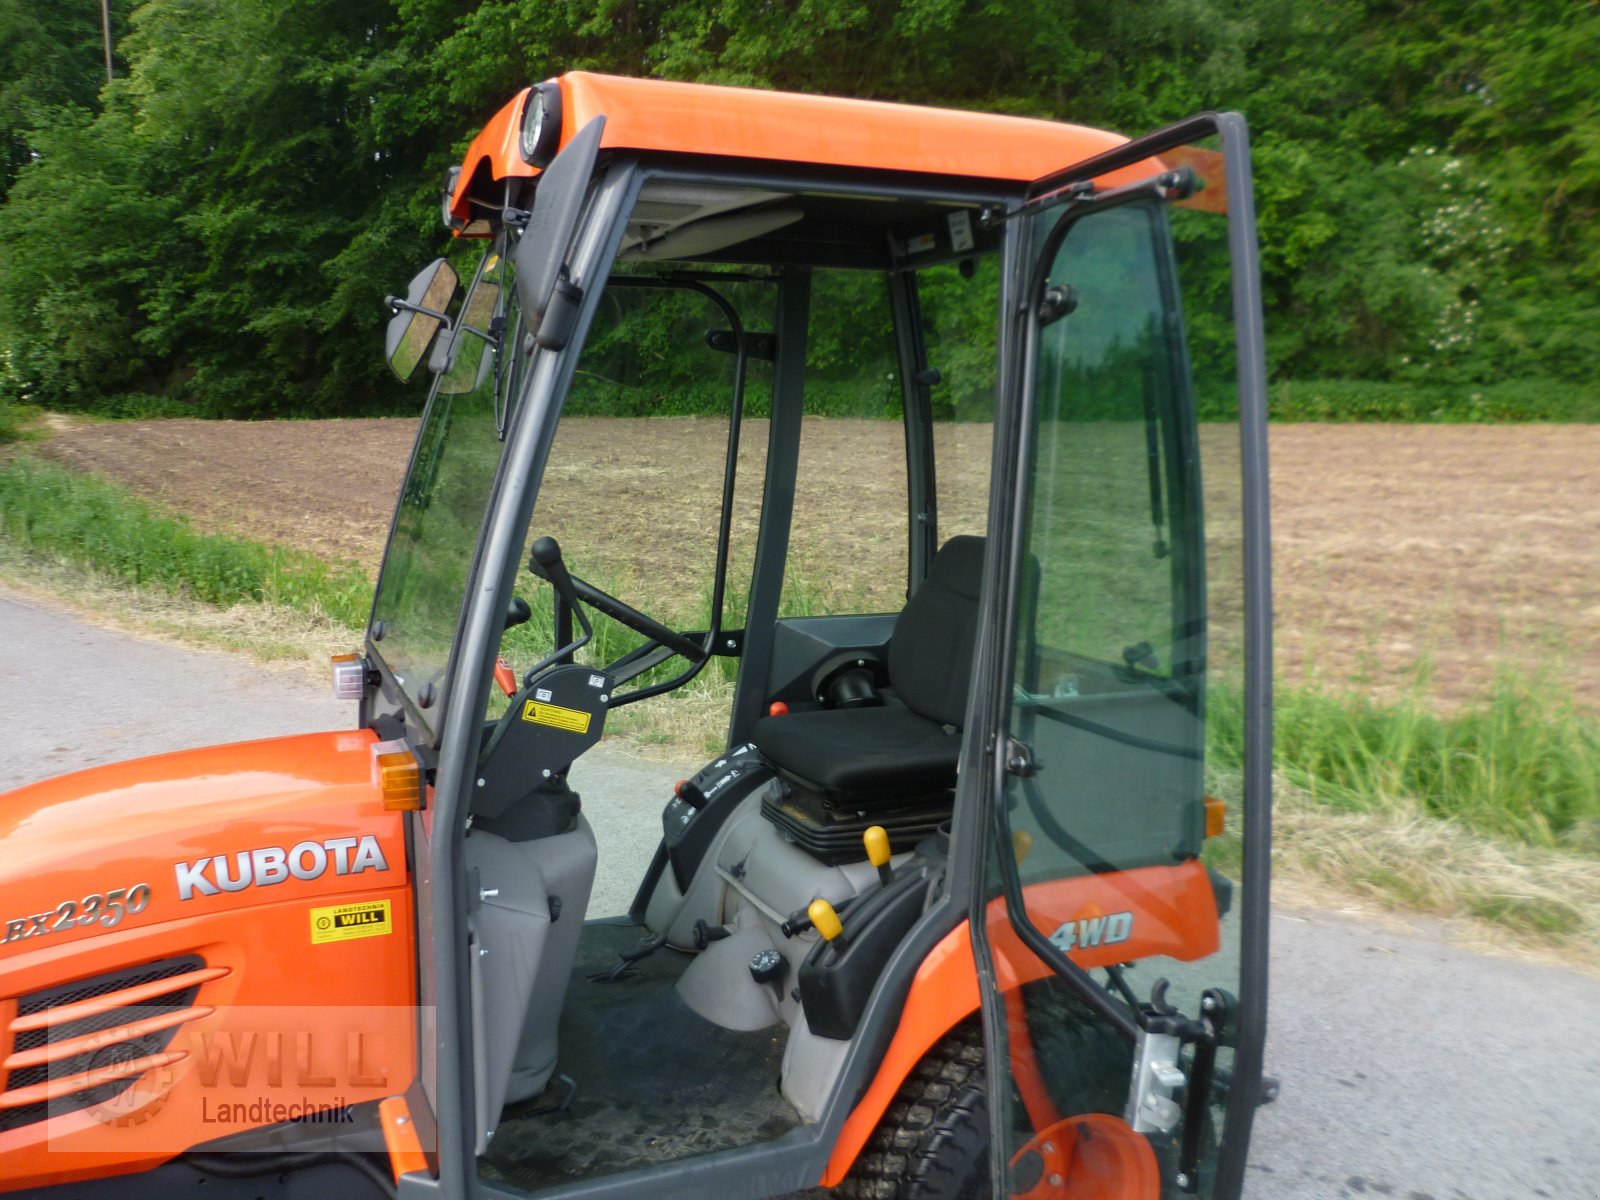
868, 755
905, 750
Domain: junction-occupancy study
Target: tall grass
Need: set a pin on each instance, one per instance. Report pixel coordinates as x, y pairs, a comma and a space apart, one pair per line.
1523, 765
95, 523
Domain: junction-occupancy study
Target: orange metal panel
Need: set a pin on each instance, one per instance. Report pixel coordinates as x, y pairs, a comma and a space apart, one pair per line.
400, 1138
1174, 913
310, 996
281, 1008
785, 127
179, 824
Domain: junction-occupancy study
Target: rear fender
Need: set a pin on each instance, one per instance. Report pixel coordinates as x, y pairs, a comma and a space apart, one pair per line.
1158, 911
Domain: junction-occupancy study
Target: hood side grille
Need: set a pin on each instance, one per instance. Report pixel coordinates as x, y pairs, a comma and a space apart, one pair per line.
122, 1017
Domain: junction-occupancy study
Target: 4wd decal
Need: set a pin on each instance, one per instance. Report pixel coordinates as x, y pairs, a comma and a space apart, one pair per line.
103, 908
1089, 932
274, 864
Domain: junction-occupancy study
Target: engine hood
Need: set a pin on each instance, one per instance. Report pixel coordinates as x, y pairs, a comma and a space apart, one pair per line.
181, 835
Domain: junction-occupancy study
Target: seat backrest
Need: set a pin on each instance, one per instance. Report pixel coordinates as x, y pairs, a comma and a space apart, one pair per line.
930, 654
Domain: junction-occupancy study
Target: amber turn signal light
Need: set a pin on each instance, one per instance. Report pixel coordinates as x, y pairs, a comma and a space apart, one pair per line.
1216, 816
398, 776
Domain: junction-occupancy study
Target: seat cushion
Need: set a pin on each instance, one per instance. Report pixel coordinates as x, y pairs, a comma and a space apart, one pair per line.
890, 752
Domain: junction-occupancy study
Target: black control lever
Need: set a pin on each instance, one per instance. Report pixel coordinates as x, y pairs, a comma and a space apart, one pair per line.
625, 968
544, 560
517, 612
798, 922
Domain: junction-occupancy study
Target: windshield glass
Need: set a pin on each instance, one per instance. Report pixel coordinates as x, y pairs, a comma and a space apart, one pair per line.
435, 535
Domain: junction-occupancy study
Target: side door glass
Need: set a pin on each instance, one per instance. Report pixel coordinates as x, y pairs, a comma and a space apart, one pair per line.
1124, 900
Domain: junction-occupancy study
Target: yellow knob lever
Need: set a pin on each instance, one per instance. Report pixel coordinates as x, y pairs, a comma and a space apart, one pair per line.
877, 842
823, 919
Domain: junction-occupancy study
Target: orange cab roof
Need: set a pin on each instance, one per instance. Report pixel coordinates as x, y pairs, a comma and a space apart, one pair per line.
697, 118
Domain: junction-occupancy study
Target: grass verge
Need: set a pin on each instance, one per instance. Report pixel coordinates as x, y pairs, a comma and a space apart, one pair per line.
1521, 766
1509, 401
93, 523
1491, 813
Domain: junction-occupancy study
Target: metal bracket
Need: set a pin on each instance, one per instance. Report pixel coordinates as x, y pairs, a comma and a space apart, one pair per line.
757, 345
1156, 1076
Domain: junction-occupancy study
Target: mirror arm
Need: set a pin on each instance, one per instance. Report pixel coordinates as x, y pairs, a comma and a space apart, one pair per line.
397, 306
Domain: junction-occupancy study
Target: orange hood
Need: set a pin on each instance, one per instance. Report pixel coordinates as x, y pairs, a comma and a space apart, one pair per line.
185, 834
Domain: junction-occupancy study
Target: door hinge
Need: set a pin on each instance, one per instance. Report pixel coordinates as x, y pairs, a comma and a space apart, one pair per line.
1020, 760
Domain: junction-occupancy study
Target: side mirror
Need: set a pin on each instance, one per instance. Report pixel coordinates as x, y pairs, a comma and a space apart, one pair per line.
419, 317
463, 357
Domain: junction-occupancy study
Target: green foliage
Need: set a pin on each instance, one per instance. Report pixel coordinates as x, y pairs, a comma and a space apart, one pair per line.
51, 58
213, 232
98, 524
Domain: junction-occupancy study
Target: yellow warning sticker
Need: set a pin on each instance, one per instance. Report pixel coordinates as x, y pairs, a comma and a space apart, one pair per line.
571, 719
346, 922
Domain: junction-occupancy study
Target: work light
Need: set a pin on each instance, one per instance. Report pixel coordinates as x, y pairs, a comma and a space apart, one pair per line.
541, 123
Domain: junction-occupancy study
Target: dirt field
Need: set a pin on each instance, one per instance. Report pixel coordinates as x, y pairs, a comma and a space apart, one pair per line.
1462, 547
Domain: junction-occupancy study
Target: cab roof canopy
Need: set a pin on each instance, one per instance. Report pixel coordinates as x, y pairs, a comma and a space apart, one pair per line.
659, 117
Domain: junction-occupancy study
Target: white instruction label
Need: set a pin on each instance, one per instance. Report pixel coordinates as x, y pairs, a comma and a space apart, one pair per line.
961, 231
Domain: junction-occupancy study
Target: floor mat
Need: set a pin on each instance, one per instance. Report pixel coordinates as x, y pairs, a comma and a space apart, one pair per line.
655, 1081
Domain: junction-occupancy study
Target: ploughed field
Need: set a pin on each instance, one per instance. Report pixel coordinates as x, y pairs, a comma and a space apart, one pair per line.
1456, 549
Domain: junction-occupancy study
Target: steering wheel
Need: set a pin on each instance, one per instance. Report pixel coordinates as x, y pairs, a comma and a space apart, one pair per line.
545, 561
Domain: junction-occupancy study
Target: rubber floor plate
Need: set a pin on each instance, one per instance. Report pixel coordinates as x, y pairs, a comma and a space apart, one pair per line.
656, 1082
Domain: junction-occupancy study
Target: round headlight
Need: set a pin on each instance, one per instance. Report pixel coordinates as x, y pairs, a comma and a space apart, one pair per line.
541, 124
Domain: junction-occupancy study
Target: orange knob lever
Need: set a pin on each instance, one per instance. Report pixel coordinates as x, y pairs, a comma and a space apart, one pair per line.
505, 677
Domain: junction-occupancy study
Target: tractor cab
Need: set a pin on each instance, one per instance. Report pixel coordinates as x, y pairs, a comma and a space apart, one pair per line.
911, 464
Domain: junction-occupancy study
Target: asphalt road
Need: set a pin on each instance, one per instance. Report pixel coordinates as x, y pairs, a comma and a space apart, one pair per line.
1411, 1069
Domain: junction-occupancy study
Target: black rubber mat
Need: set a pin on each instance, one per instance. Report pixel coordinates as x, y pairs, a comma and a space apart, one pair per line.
655, 1081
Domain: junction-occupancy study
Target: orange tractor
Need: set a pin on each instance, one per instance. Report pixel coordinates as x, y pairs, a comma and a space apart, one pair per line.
973, 901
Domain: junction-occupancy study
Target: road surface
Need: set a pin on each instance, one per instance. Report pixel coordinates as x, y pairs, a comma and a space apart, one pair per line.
1411, 1069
